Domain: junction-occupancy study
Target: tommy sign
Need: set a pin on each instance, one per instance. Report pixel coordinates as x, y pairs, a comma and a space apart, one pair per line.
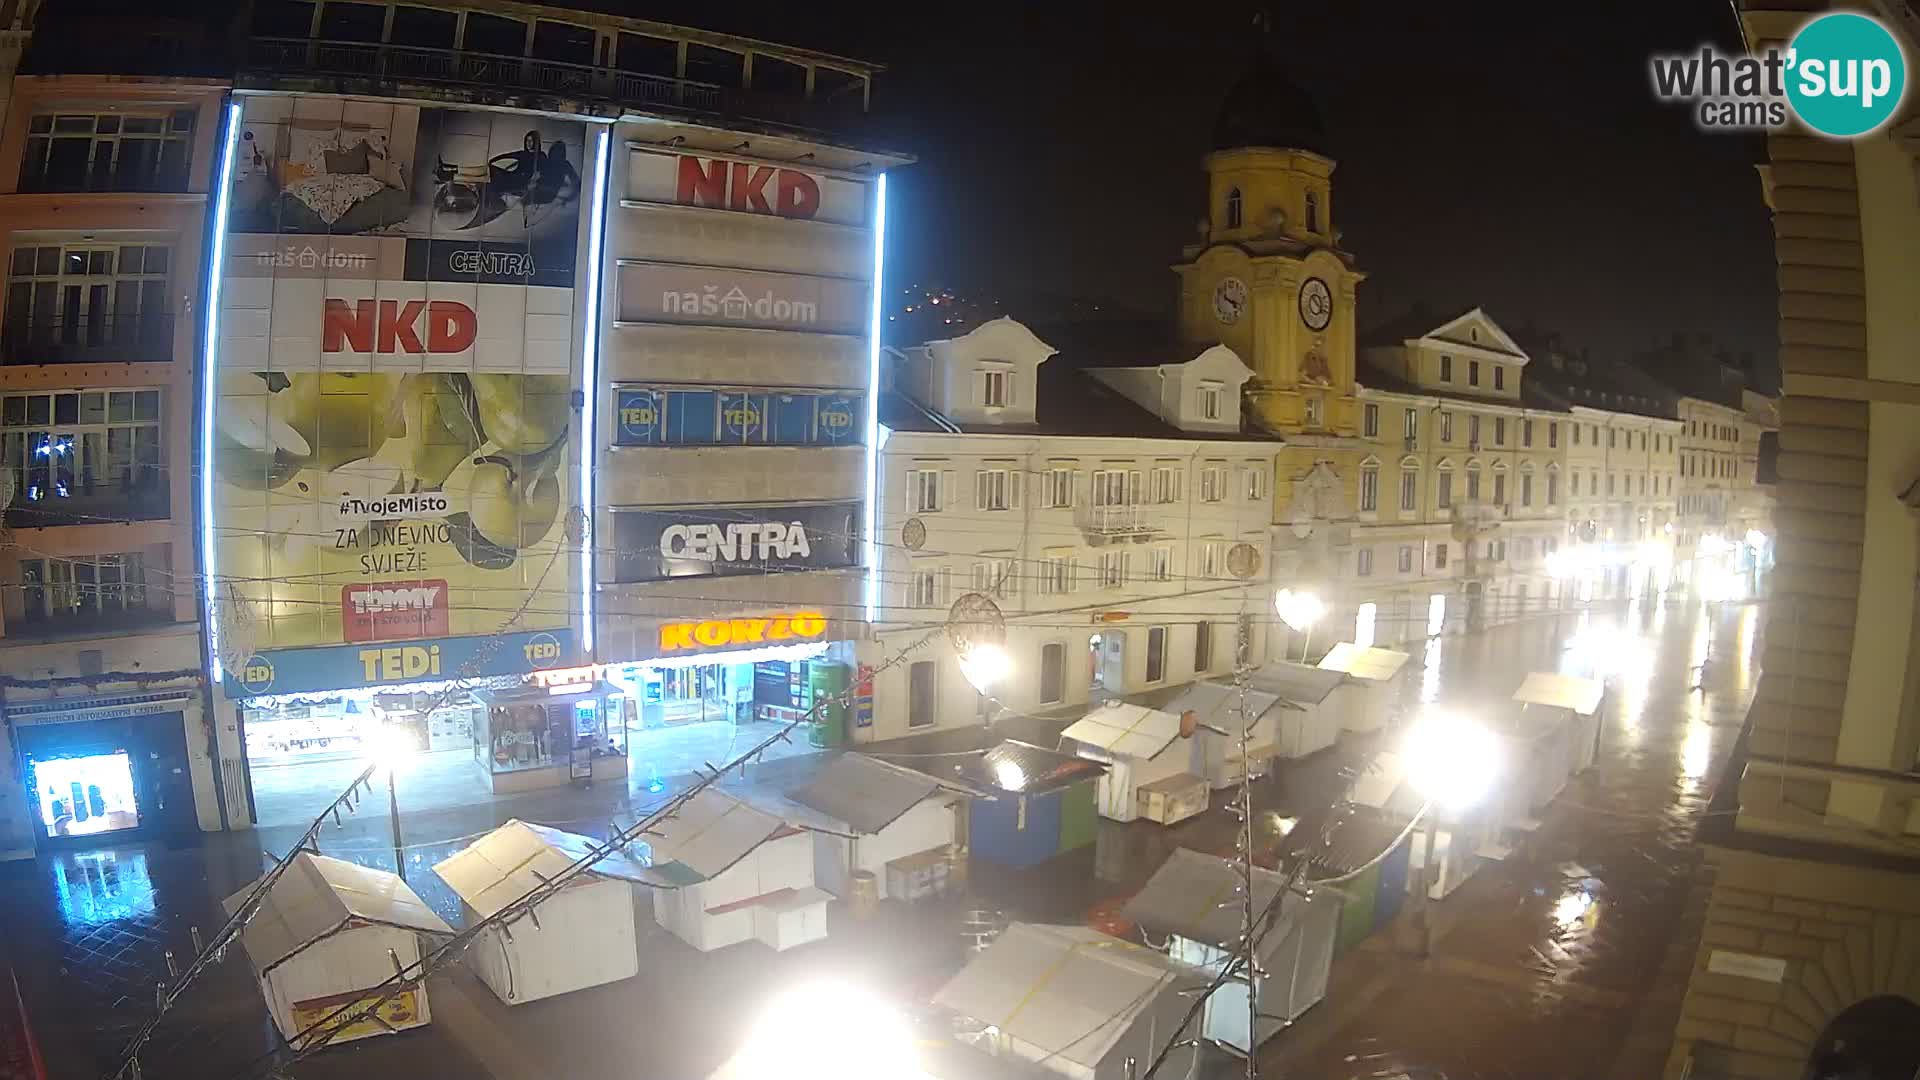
652, 545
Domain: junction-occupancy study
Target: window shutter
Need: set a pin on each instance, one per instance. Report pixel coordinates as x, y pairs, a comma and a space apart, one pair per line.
1133, 488
982, 497
946, 587
1016, 487
980, 387
1073, 489
949, 489
912, 503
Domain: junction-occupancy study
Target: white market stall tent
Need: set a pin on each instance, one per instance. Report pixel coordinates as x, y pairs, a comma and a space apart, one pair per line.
1194, 901
1151, 762
724, 872
1461, 841
579, 936
893, 822
1312, 702
326, 936
1579, 699
1376, 671
1076, 1001
1217, 704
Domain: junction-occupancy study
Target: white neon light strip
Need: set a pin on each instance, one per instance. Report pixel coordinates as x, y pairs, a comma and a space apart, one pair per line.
210, 380
589, 381
629, 671
868, 541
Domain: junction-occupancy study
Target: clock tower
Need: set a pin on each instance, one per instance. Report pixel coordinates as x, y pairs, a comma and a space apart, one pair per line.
1267, 277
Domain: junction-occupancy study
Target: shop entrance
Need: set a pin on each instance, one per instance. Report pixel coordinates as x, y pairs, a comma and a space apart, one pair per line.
120, 778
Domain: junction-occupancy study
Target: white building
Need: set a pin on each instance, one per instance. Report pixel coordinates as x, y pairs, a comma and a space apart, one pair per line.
1103, 506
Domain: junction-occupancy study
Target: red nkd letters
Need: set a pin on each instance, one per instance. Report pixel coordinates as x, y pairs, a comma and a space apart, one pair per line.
736, 185
389, 326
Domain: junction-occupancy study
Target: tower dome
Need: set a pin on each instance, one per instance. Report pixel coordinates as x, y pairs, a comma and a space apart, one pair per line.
1266, 108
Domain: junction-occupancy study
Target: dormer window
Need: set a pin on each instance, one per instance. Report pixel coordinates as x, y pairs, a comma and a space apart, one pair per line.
1473, 333
1313, 212
1233, 208
995, 387
1210, 400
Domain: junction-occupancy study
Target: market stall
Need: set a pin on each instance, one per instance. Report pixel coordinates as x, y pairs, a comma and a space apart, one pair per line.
328, 936
1459, 842
1217, 705
582, 935
532, 737
1578, 700
888, 820
724, 872
1376, 671
1149, 756
1312, 703
1029, 803
1075, 1001
1193, 901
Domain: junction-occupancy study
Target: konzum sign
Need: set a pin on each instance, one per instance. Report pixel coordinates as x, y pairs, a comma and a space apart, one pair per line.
745, 187
742, 633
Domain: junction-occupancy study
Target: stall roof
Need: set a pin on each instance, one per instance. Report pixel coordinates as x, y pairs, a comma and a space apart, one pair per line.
1196, 896
317, 896
1371, 664
513, 860
1124, 729
1565, 691
1069, 991
1384, 786
703, 839
1023, 769
1297, 682
1217, 702
866, 793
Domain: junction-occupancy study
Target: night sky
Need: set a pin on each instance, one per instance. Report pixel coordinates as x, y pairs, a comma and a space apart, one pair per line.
1506, 155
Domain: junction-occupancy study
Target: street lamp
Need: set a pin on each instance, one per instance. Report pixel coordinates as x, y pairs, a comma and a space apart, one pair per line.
1451, 762
1299, 609
826, 1031
388, 750
985, 665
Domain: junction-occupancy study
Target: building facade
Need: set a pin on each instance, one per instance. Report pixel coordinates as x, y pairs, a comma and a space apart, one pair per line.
1805, 965
1115, 515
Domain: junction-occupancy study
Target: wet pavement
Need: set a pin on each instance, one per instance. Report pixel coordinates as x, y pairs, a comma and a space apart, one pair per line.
1547, 965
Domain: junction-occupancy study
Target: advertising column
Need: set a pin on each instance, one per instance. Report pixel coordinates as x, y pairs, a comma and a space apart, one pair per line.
397, 366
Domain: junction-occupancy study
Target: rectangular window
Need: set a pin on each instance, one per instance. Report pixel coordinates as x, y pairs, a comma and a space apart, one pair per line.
1053, 673
1612, 438
1211, 558
1609, 483
1316, 411
1410, 427
89, 302
1526, 433
1113, 569
1499, 489
1202, 647
997, 489
1369, 490
1156, 654
1553, 434
1446, 368
84, 456
1163, 564
86, 591
920, 693
1473, 431
1446, 427
1213, 483
1406, 558
1057, 577
1164, 484
1473, 373
1576, 434
1499, 377
1553, 489
1499, 431
1110, 487
1440, 556
923, 588
117, 151
1409, 490
1363, 562
1593, 483
996, 577
1473, 483
1056, 488
1443, 490
1526, 489
1210, 400
923, 491
1370, 421
996, 388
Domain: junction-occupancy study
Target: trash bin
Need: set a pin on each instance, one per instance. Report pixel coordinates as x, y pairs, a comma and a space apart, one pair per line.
864, 896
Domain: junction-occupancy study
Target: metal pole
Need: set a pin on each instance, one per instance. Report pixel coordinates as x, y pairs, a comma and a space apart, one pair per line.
1429, 877
393, 814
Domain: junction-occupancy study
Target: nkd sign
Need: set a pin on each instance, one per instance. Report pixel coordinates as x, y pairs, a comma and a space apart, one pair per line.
745, 187
654, 545
710, 296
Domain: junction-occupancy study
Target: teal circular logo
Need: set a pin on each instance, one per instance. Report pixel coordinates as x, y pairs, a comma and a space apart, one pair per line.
256, 675
1845, 74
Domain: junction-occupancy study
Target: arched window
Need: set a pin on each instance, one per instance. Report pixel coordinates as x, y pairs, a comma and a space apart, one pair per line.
1313, 211
1233, 208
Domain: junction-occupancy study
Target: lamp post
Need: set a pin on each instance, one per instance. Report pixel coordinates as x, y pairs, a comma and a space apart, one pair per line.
1451, 761
1299, 609
389, 750
985, 665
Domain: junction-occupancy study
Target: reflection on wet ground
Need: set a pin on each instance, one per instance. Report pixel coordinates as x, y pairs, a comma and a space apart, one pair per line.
1541, 962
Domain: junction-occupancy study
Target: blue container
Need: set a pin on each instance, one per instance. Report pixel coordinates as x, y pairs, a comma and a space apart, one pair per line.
1015, 830
1393, 883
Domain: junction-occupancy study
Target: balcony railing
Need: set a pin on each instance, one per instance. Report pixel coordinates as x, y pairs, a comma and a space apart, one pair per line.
402, 63
90, 339
1120, 520
89, 502
1868, 809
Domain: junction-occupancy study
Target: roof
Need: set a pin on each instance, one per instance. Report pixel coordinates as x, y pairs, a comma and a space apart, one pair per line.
703, 839
1370, 663
1069, 991
865, 793
1354, 841
1416, 322
1216, 700
1565, 691
1384, 786
1197, 896
1297, 682
516, 858
1373, 378
317, 896
1126, 730
1266, 108
1023, 768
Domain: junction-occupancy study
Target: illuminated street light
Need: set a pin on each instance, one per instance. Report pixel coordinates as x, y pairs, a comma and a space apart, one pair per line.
985, 665
826, 1031
1451, 761
1298, 609
387, 751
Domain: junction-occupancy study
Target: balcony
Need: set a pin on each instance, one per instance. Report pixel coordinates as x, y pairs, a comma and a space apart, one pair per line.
88, 502
1868, 810
1127, 519
93, 339
273, 58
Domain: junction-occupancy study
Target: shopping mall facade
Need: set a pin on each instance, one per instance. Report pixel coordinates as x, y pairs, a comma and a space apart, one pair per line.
523, 360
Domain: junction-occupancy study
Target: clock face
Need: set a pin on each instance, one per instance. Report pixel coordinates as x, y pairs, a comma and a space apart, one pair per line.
1229, 300
1316, 304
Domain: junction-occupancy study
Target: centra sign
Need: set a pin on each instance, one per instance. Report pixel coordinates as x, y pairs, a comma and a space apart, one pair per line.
759, 630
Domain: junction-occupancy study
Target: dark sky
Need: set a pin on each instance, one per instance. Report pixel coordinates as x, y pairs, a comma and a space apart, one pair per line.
1505, 155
